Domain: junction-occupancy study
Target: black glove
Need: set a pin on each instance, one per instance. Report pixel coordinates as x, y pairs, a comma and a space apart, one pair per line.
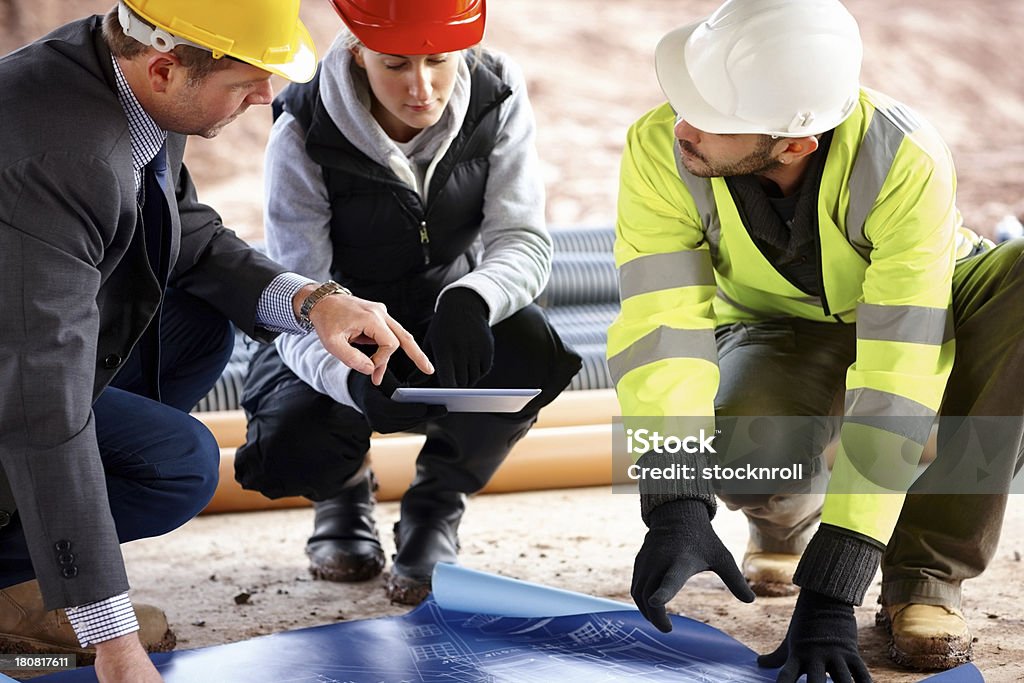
383, 414
822, 639
459, 339
679, 544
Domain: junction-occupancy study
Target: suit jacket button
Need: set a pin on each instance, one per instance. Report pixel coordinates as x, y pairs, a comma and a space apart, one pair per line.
69, 572
62, 545
5, 518
66, 558
113, 361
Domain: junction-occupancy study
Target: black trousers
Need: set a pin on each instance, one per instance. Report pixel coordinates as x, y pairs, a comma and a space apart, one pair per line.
303, 443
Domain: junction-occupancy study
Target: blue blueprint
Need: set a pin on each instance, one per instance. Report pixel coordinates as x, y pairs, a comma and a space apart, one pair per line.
435, 644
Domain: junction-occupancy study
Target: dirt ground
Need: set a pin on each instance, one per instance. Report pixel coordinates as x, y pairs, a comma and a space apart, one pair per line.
196, 572
589, 65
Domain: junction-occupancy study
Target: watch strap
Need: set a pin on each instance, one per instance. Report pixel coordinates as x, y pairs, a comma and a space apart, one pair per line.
316, 296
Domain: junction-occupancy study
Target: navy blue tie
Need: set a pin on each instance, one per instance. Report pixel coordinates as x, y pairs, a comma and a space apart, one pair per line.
156, 227
155, 211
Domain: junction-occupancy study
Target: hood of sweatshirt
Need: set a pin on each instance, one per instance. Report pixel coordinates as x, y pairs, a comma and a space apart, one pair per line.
345, 92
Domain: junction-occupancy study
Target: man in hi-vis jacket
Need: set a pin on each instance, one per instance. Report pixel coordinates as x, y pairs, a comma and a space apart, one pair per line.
788, 246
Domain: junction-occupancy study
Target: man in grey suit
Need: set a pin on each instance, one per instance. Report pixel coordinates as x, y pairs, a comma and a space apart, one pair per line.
116, 291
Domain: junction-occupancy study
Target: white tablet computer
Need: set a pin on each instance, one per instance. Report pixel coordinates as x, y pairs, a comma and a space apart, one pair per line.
468, 400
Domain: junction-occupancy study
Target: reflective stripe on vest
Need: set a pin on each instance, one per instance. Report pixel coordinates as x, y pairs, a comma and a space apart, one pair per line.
908, 324
663, 343
657, 272
874, 160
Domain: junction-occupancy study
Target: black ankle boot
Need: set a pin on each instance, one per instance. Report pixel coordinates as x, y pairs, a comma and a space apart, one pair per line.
422, 539
459, 456
345, 545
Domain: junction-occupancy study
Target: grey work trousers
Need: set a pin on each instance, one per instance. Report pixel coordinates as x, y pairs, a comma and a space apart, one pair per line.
793, 367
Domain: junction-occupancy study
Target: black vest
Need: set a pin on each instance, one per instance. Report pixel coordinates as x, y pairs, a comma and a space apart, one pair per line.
388, 244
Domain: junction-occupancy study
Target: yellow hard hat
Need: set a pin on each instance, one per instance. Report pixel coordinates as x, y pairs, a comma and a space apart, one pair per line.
265, 33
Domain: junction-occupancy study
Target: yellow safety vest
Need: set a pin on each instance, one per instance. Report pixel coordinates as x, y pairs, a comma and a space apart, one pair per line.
889, 233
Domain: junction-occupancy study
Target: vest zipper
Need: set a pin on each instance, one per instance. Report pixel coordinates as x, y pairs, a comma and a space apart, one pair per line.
425, 243
421, 218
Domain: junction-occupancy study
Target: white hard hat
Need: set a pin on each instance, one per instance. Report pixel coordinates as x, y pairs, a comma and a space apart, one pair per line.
779, 67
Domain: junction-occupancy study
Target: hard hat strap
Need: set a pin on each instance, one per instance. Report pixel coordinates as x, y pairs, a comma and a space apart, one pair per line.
157, 38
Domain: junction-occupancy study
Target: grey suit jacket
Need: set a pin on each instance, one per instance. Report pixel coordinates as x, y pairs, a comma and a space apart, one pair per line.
77, 291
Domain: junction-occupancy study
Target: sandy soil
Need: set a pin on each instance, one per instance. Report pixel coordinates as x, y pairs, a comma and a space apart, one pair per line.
590, 74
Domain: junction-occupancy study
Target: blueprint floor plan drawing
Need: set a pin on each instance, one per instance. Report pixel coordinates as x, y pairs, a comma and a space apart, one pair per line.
606, 643
433, 645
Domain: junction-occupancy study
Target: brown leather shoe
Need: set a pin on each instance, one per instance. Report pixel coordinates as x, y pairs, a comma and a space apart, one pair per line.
929, 637
27, 628
770, 575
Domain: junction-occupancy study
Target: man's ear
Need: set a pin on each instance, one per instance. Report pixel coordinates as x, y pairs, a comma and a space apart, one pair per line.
798, 148
163, 69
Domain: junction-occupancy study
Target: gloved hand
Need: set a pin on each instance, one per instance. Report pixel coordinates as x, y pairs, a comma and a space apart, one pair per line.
822, 639
459, 339
679, 544
383, 414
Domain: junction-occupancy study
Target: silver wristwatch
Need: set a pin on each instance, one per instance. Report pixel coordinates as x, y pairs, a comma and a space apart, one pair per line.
316, 296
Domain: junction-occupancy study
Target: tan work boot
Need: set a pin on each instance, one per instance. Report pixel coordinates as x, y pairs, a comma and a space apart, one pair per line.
931, 637
27, 628
770, 575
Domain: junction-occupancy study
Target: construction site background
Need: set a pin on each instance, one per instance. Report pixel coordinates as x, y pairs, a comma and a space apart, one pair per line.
589, 66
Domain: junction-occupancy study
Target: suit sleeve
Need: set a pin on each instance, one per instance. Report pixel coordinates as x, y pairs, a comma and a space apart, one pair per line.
53, 235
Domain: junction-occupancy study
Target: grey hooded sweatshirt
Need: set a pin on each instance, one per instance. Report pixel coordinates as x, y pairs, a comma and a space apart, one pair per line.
516, 248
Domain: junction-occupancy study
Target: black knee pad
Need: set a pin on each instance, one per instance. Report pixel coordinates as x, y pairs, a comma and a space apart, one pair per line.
299, 442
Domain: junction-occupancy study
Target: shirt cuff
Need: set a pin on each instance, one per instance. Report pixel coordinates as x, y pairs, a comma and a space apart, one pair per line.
274, 310
102, 620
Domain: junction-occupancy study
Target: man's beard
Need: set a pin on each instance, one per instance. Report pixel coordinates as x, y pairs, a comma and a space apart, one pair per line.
758, 162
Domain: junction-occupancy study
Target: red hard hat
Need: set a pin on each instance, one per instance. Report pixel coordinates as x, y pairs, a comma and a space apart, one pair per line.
414, 27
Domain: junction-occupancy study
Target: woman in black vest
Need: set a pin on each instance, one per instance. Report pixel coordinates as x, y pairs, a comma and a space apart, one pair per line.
405, 171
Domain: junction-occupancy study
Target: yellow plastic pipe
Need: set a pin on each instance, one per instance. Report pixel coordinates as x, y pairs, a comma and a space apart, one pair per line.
570, 446
549, 458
